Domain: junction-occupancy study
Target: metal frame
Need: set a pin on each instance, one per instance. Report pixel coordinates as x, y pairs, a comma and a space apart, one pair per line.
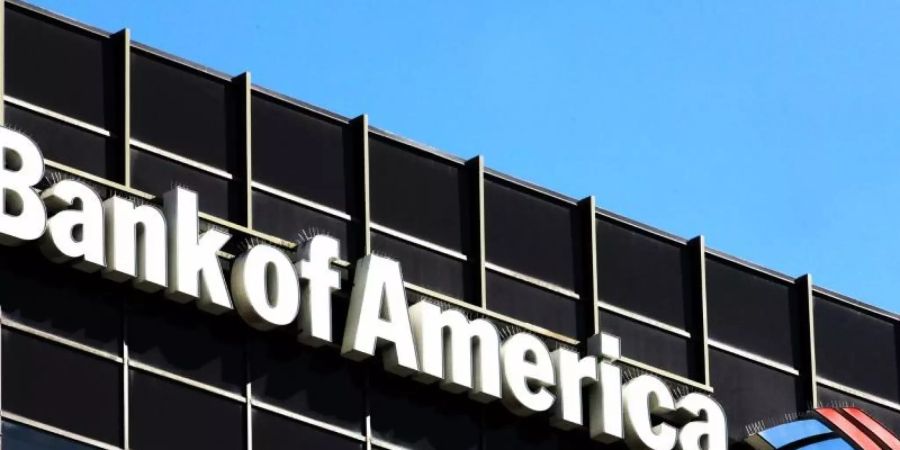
807, 329
590, 294
243, 88
475, 170
124, 38
698, 245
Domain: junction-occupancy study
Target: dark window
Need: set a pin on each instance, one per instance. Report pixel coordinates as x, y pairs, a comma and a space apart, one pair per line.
408, 414
888, 417
652, 346
168, 415
857, 349
61, 68
419, 194
532, 235
158, 175
303, 153
62, 387
534, 305
750, 392
184, 111
290, 221
273, 432
426, 268
313, 382
645, 274
21, 437
76, 305
503, 430
752, 311
186, 341
66, 143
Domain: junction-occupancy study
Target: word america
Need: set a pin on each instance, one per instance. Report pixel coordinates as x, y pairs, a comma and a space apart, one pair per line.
162, 250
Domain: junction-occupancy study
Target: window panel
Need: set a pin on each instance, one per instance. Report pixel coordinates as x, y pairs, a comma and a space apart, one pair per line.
303, 153
317, 383
158, 175
184, 340
645, 274
184, 111
503, 430
857, 349
751, 392
289, 220
409, 414
52, 384
419, 194
653, 346
534, 305
171, 416
273, 432
888, 417
59, 67
426, 268
532, 235
67, 144
16, 436
76, 306
752, 311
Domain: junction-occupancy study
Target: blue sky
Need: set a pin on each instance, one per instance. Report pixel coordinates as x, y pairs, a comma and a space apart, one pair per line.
771, 127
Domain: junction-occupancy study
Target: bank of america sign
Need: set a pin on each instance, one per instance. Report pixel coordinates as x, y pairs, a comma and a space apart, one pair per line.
163, 250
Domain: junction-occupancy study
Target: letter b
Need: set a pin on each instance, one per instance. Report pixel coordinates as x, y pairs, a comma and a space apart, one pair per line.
22, 214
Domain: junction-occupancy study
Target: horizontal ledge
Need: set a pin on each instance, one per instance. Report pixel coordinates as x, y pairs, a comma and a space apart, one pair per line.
162, 373
150, 197
492, 314
300, 200
417, 241
643, 319
180, 159
858, 393
306, 419
57, 431
753, 357
56, 116
32, 331
532, 280
665, 374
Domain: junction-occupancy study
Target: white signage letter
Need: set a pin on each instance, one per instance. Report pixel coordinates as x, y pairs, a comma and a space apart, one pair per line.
319, 281
451, 348
266, 290
22, 214
194, 268
644, 396
605, 405
74, 233
135, 244
572, 374
714, 427
527, 372
377, 287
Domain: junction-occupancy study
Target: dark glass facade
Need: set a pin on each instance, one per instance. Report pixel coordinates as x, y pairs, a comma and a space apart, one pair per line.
88, 363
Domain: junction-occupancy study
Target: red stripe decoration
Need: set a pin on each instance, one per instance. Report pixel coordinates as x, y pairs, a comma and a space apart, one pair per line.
859, 437
876, 428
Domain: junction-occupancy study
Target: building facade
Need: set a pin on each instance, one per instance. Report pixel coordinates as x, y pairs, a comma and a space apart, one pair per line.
91, 363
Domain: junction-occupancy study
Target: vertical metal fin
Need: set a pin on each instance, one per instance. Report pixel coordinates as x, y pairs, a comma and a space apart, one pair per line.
589, 295
701, 316
242, 86
123, 125
475, 169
